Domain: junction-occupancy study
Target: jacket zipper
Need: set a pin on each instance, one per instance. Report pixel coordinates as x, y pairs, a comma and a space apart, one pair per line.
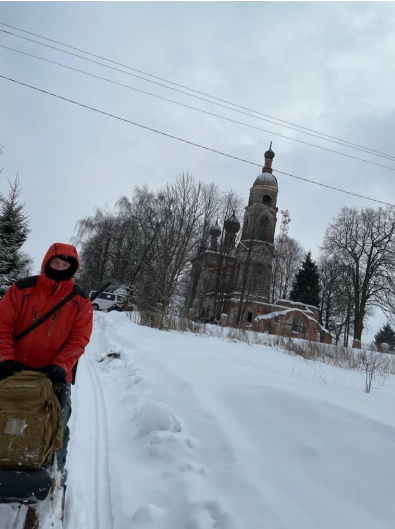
54, 288
34, 316
52, 324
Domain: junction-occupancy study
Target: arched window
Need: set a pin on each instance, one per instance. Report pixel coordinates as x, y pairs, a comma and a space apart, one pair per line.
267, 200
297, 326
264, 228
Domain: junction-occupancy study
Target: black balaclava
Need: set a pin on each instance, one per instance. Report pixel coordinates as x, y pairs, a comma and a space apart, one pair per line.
61, 275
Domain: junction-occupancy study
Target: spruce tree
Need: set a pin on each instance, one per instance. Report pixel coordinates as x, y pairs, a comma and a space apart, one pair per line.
385, 335
14, 229
306, 287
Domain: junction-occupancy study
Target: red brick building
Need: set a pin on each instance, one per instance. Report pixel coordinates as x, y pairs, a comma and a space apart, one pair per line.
232, 284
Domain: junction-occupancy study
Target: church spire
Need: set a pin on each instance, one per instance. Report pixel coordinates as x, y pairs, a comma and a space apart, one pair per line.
269, 155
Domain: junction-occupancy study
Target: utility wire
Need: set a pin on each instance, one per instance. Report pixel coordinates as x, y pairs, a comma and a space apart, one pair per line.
311, 133
190, 142
194, 108
190, 89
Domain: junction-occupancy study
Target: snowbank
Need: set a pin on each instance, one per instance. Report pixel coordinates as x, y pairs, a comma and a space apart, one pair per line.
190, 432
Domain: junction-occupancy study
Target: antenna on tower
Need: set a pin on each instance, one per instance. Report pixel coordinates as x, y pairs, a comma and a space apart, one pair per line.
284, 228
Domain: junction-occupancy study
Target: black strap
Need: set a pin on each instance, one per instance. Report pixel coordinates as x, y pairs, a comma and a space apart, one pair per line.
46, 316
76, 290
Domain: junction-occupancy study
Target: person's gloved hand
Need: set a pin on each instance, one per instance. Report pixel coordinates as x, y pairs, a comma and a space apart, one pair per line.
9, 368
55, 373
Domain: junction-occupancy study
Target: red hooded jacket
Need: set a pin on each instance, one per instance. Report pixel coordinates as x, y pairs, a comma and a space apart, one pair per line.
61, 339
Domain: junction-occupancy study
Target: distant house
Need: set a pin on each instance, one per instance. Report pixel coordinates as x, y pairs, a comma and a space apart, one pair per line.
292, 319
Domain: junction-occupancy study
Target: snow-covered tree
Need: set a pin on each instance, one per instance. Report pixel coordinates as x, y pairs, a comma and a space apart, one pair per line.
385, 335
14, 229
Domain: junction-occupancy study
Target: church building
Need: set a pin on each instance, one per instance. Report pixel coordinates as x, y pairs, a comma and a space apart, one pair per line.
231, 284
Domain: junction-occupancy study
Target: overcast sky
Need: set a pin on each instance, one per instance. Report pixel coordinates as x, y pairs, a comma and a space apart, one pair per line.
326, 66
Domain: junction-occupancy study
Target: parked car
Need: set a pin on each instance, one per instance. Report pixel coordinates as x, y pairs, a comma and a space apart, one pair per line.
109, 301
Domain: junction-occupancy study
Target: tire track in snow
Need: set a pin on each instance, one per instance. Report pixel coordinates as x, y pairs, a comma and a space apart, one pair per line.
96, 458
103, 499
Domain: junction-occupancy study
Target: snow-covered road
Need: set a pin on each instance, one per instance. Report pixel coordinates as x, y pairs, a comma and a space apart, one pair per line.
177, 431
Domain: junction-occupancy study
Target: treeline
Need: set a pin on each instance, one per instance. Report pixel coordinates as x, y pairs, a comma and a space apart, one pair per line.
146, 245
354, 273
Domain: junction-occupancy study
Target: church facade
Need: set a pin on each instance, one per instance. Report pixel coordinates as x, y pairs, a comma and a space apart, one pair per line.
231, 284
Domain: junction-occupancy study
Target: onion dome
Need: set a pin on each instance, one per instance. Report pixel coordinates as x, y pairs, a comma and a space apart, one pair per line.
215, 231
266, 179
232, 224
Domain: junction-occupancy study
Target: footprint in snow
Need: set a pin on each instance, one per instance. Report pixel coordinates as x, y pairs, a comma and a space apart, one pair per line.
210, 514
168, 445
186, 466
157, 438
135, 378
146, 515
157, 416
110, 364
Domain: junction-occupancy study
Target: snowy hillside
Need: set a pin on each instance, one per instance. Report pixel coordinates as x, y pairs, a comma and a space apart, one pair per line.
190, 432
186, 432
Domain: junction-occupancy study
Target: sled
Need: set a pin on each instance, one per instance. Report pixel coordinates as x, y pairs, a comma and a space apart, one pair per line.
29, 495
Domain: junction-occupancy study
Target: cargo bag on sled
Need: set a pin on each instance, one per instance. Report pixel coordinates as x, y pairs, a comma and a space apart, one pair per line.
30, 421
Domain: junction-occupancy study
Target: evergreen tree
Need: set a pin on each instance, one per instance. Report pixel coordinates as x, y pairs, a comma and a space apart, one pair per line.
14, 229
306, 286
385, 335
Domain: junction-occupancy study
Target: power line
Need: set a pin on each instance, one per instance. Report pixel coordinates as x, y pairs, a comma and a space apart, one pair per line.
190, 142
315, 134
192, 90
193, 108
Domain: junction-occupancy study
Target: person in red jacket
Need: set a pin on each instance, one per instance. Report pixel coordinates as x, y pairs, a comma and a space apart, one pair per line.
55, 346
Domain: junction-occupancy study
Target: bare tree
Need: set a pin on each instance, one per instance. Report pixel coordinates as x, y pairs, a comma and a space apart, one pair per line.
336, 306
288, 257
253, 257
184, 212
245, 278
362, 244
133, 245
146, 244
190, 281
230, 205
375, 366
95, 235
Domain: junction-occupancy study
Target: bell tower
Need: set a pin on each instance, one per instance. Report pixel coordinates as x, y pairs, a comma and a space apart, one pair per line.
255, 251
260, 215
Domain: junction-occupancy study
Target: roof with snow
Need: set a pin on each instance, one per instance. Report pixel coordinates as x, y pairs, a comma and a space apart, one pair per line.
272, 315
297, 303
